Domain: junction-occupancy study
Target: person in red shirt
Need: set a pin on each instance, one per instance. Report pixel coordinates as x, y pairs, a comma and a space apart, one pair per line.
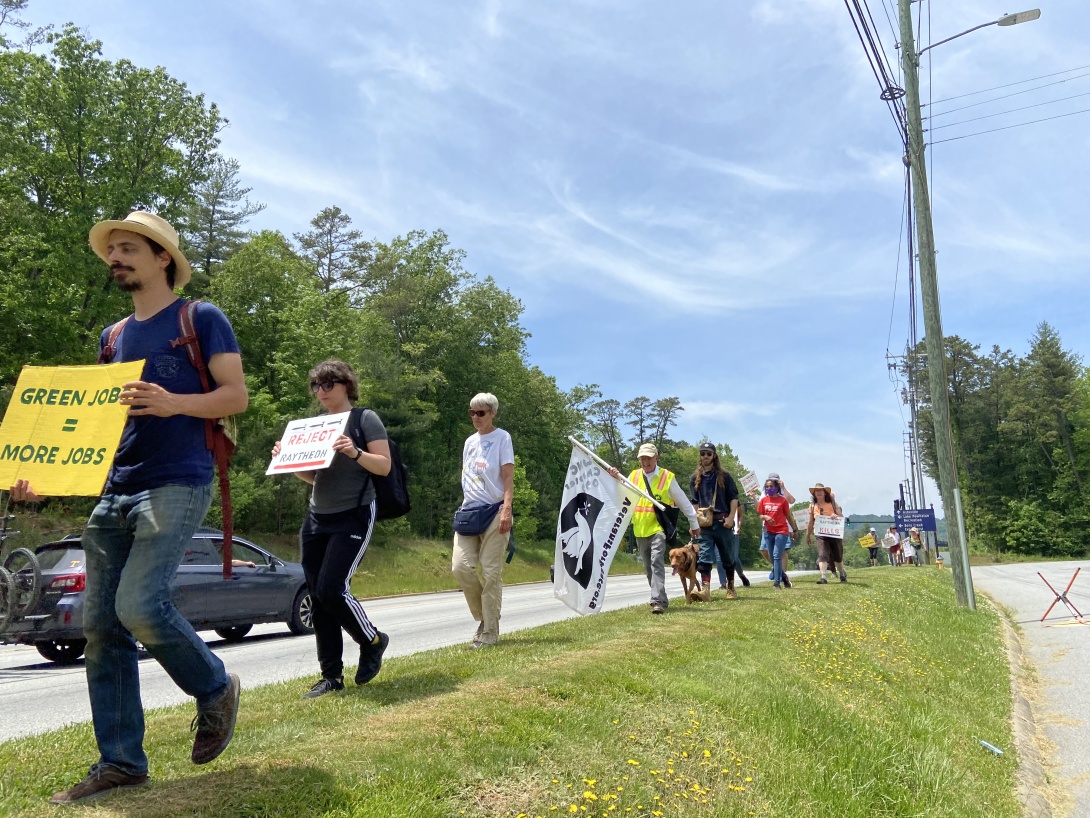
779, 527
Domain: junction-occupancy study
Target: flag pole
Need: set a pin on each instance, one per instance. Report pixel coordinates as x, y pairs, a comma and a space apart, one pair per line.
628, 483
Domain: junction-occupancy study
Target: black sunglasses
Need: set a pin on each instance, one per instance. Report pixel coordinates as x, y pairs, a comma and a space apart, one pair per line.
325, 386
478, 413
707, 454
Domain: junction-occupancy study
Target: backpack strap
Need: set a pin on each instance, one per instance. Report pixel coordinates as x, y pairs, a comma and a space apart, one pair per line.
106, 354
215, 437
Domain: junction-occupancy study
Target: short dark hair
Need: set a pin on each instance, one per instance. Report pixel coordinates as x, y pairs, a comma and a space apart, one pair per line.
334, 370
157, 248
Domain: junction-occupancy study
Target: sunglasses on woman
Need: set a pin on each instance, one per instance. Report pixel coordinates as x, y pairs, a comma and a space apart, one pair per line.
478, 413
325, 386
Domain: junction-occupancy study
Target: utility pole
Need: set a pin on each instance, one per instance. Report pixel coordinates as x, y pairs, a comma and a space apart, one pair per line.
933, 337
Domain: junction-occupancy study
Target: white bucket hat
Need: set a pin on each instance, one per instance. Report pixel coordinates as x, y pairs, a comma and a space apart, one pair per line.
149, 226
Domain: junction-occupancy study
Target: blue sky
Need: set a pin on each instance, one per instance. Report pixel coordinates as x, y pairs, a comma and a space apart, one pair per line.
654, 179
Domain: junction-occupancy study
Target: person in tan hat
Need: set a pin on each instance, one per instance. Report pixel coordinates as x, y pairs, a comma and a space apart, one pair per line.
156, 495
646, 525
829, 549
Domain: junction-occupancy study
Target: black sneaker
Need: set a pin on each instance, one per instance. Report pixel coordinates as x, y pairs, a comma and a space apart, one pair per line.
656, 608
215, 723
371, 659
323, 686
101, 780
843, 576
786, 581
745, 580
823, 580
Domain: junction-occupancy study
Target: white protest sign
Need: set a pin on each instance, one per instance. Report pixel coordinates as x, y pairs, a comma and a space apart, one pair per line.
829, 527
802, 518
751, 485
307, 444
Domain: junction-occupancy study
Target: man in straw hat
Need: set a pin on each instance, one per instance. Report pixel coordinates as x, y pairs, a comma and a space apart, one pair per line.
156, 496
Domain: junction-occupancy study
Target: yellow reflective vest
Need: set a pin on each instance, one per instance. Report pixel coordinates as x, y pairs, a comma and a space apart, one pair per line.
644, 521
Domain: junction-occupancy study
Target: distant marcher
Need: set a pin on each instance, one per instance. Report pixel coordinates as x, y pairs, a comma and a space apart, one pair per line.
485, 517
736, 546
779, 526
337, 529
650, 536
912, 546
829, 549
891, 541
712, 487
791, 500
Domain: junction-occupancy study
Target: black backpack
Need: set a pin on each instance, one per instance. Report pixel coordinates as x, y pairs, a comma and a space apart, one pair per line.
392, 490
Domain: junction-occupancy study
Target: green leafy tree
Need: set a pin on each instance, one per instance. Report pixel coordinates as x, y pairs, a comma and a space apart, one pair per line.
81, 139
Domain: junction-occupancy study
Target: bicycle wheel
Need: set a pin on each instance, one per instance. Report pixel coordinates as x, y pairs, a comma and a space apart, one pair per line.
23, 566
7, 598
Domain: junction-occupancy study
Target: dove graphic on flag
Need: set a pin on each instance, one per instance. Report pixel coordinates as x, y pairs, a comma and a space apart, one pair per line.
594, 515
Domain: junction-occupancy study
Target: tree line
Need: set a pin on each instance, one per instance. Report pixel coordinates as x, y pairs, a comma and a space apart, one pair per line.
1022, 440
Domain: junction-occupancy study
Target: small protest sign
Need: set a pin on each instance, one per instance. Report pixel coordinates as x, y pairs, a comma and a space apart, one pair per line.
307, 444
867, 541
62, 427
829, 527
802, 518
751, 485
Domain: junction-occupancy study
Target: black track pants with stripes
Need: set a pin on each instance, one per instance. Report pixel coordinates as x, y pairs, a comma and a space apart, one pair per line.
332, 547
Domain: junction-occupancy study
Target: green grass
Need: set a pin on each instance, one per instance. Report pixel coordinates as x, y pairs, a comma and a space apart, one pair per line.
865, 699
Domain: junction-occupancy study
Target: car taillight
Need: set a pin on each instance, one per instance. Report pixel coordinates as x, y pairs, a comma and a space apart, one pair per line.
70, 583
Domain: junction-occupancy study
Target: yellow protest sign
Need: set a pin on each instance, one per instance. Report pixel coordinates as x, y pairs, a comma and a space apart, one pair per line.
62, 427
867, 541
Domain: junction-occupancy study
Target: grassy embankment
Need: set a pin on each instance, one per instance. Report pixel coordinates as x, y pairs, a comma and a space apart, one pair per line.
865, 699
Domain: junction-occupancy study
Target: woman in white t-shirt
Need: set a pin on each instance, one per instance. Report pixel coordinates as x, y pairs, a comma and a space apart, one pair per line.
483, 522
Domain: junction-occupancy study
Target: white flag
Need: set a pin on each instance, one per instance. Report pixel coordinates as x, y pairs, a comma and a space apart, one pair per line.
594, 515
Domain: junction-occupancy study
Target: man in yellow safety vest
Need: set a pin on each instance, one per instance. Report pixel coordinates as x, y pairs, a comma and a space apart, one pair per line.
650, 537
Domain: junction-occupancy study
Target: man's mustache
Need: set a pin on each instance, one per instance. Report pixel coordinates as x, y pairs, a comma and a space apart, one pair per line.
115, 267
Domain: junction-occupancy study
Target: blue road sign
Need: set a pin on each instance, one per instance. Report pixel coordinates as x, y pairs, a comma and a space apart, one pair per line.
921, 518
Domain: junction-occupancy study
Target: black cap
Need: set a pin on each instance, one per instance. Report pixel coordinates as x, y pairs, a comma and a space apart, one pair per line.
707, 447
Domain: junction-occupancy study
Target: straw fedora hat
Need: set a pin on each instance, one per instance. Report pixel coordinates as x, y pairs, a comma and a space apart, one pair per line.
149, 226
814, 488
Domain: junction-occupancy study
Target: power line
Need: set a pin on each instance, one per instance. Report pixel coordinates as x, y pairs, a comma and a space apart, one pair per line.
1006, 96
1008, 127
1010, 84
1011, 111
897, 271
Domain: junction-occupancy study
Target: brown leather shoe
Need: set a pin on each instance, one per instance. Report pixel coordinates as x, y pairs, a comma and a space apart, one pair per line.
101, 780
730, 591
215, 723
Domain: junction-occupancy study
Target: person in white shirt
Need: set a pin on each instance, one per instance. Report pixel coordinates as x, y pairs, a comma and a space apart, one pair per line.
483, 522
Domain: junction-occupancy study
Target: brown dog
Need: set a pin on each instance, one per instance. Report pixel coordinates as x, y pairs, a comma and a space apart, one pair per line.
683, 562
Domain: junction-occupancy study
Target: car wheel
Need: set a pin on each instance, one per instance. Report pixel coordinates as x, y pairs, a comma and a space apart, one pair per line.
62, 651
302, 614
234, 633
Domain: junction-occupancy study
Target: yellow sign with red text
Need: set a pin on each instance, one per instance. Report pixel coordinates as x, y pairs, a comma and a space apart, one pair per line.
62, 427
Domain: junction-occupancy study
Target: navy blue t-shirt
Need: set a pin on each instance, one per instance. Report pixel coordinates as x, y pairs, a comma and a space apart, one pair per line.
154, 451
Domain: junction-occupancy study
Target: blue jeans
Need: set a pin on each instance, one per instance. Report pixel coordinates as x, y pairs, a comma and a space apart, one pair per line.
715, 549
776, 545
133, 545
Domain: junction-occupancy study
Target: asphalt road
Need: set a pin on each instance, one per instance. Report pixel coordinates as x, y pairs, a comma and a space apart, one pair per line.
36, 696
1059, 648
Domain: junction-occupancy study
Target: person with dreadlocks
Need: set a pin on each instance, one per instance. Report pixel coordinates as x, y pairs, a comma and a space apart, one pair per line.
715, 495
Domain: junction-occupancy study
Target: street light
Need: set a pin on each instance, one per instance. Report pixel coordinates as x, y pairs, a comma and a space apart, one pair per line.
929, 291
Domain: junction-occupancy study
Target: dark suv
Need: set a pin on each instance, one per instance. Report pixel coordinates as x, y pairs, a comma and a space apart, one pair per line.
271, 591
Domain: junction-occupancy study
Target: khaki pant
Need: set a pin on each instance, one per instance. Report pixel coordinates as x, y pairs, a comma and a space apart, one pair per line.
484, 591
